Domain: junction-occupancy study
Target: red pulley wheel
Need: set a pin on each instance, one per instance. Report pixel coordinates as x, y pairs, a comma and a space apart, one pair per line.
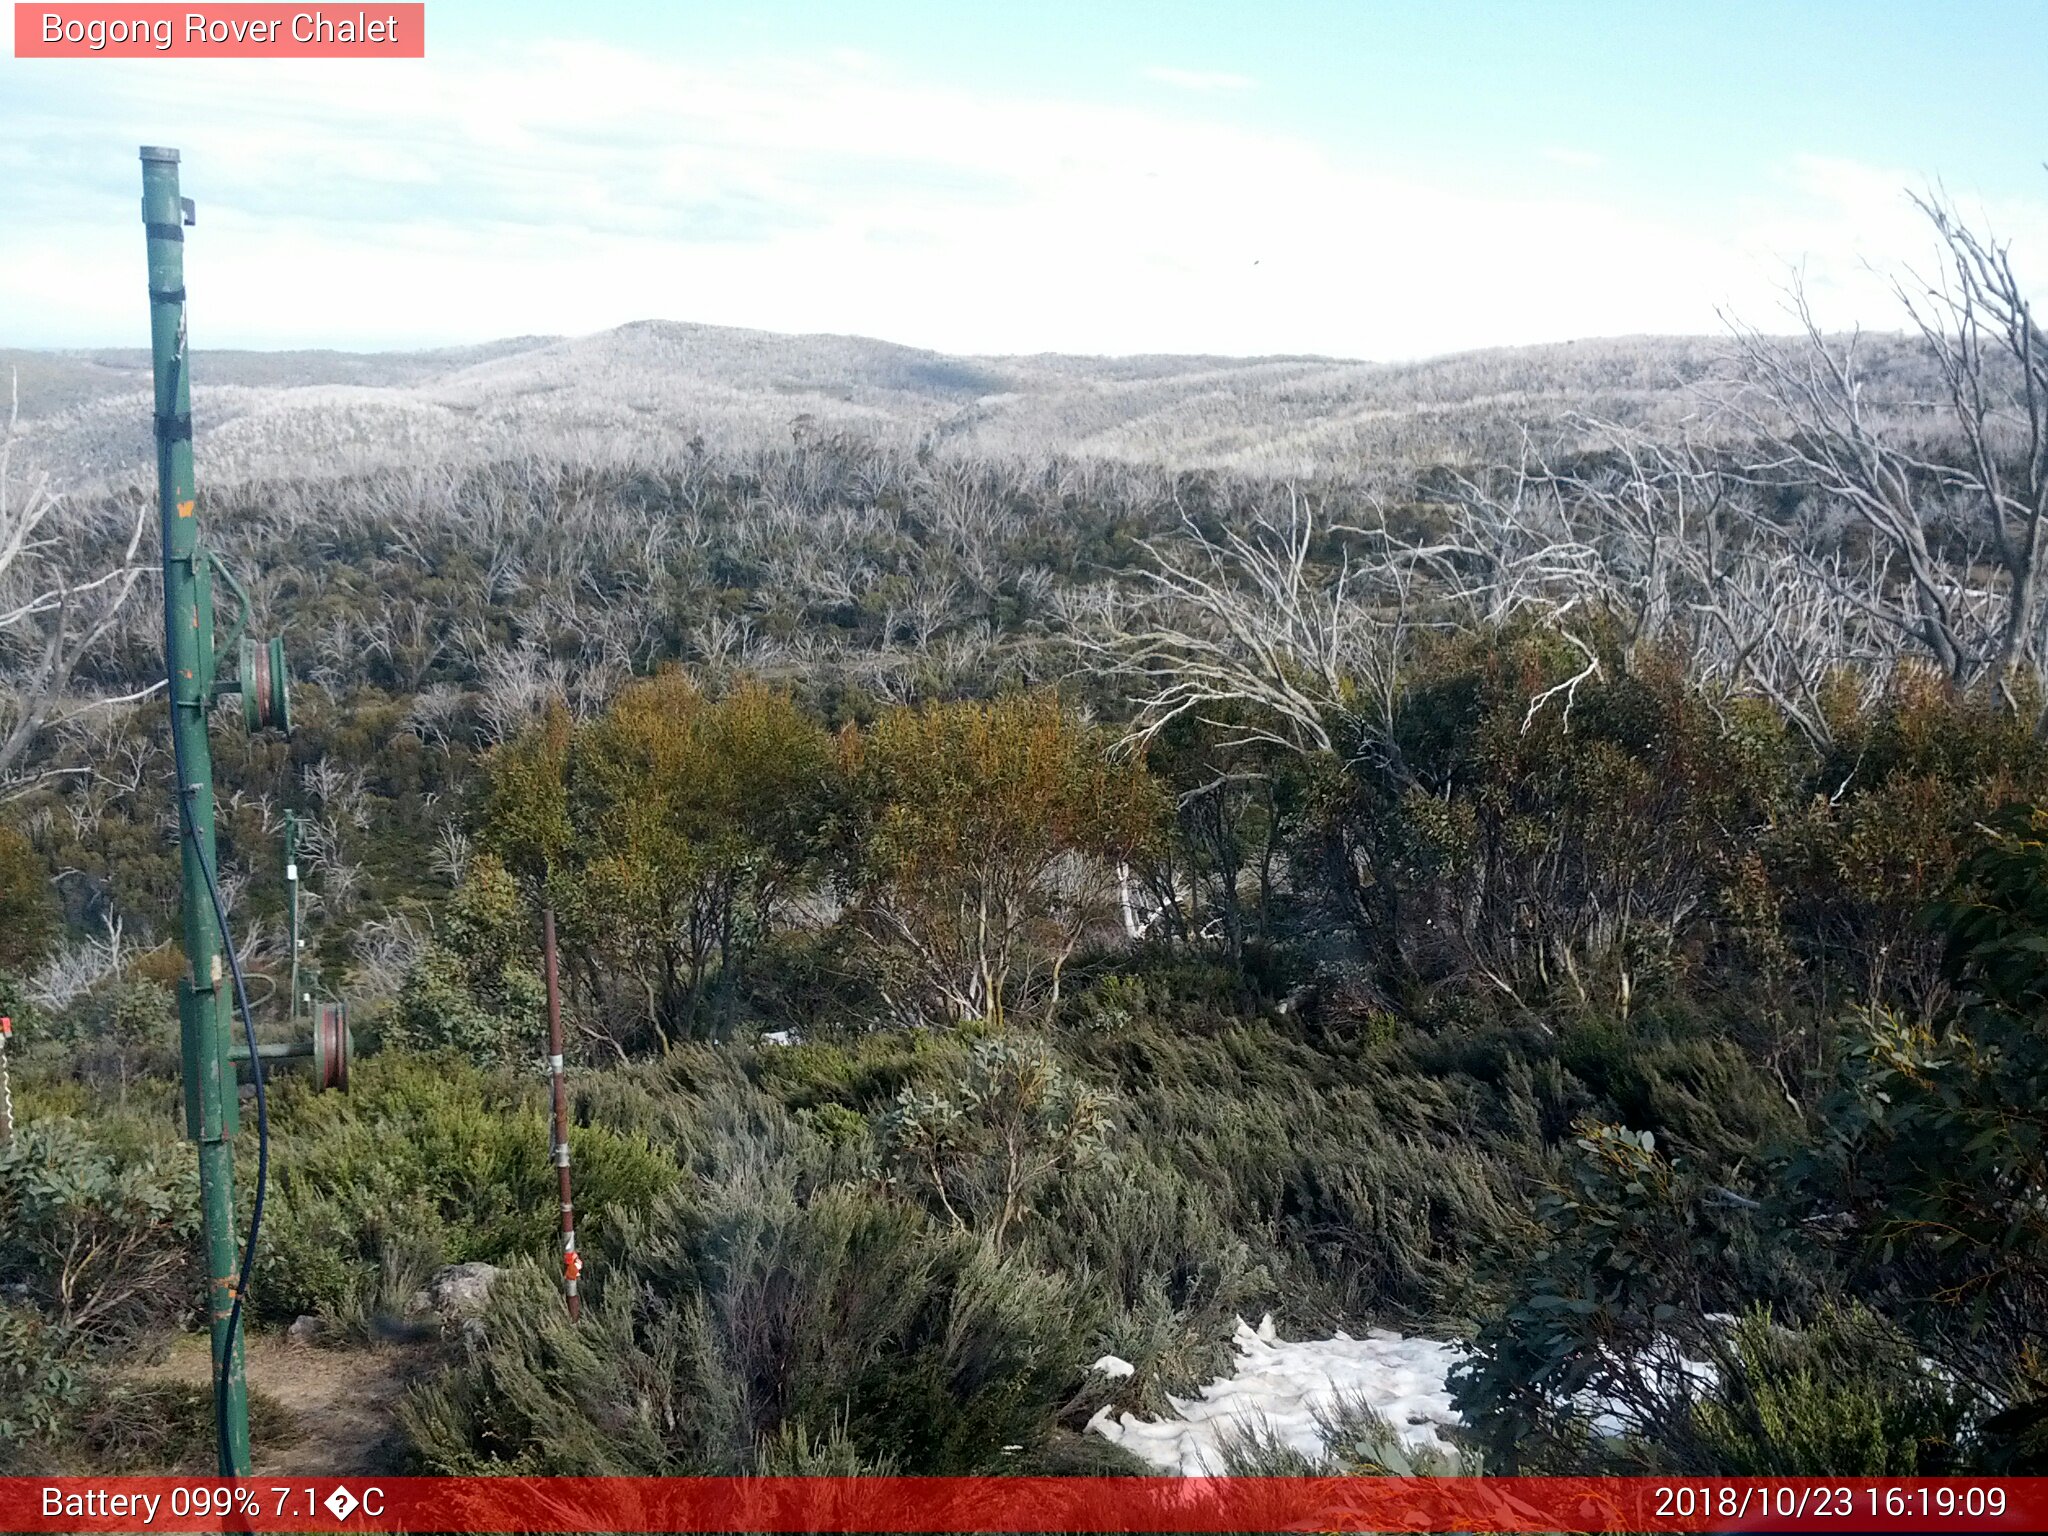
331, 1046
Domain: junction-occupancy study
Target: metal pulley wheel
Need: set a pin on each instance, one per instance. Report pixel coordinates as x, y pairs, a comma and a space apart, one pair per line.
266, 690
332, 1046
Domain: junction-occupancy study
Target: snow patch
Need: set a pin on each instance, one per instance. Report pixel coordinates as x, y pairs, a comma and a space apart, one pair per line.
1113, 1365
1281, 1390
1285, 1392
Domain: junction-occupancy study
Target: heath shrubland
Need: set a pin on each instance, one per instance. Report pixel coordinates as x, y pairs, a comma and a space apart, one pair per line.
1034, 885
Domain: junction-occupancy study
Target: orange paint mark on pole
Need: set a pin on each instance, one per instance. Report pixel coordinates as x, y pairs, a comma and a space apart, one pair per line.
572, 1261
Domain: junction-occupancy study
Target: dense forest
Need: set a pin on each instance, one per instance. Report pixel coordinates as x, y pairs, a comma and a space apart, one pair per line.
1584, 897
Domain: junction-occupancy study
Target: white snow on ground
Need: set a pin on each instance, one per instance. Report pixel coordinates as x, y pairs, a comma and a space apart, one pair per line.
1113, 1365
1280, 1389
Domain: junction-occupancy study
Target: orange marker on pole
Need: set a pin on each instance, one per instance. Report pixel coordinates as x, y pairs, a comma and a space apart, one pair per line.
572, 1261
6, 1091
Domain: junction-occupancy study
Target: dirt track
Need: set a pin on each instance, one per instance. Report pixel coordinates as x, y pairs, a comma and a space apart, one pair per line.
342, 1402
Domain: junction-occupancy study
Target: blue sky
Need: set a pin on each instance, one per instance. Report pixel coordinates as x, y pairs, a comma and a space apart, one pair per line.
1362, 179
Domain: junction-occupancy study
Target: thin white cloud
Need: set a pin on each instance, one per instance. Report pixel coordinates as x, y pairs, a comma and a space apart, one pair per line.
1576, 159
1198, 79
1853, 231
578, 187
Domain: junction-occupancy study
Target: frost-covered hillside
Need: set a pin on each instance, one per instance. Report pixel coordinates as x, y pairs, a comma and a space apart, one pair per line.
616, 394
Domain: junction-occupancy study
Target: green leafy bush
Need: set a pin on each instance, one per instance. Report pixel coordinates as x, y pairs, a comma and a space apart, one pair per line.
39, 1384
1600, 1311
118, 1034
426, 1160
1845, 1396
1932, 1147
476, 989
985, 1145
101, 1228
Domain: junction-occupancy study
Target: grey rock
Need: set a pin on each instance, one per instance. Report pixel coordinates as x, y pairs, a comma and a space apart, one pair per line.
458, 1290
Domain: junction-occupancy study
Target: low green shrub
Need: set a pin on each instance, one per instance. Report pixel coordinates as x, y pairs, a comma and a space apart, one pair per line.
1598, 1310
862, 1074
426, 1160
99, 1225
64, 1416
39, 1385
1357, 1442
1845, 1396
730, 1329
1361, 1189
137, 1427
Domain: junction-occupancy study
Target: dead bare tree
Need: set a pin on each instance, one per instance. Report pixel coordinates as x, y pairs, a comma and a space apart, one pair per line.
434, 713
516, 686
54, 616
1954, 502
1251, 632
1675, 547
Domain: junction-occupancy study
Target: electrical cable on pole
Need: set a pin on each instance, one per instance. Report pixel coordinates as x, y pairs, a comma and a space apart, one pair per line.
213, 992
211, 1110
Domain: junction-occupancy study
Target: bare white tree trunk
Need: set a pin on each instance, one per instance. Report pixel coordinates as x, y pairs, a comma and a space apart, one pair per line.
53, 613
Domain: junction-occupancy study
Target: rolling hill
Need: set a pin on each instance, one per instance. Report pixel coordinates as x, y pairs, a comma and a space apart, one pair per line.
85, 415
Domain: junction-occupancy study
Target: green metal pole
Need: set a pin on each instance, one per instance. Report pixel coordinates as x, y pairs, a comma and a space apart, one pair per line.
205, 1004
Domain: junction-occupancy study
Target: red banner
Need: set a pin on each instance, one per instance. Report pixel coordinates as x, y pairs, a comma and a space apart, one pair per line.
1049, 1504
376, 31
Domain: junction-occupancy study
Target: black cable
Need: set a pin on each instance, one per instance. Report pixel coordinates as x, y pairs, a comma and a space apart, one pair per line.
180, 428
183, 429
220, 913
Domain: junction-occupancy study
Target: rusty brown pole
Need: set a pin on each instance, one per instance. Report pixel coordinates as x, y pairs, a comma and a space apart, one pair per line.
572, 1261
6, 1093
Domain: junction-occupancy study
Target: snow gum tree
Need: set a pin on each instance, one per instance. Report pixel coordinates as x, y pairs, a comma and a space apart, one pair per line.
667, 833
986, 842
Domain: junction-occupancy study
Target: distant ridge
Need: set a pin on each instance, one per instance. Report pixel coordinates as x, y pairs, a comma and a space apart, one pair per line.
656, 384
